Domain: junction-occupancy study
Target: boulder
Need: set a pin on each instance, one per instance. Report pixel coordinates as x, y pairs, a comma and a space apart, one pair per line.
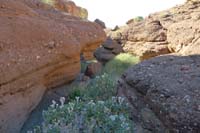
93, 69
39, 49
101, 23
103, 55
182, 42
110, 48
145, 39
146, 31
146, 50
164, 93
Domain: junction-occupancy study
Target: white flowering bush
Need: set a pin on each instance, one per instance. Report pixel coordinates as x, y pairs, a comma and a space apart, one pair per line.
109, 116
92, 108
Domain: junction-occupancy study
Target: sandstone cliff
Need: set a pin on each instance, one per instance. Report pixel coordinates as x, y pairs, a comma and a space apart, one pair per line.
40, 48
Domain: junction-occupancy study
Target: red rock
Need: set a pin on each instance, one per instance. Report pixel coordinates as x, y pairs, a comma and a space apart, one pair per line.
39, 49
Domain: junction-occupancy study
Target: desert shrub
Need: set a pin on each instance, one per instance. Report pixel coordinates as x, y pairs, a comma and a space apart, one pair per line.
120, 63
49, 2
99, 88
138, 18
92, 107
109, 116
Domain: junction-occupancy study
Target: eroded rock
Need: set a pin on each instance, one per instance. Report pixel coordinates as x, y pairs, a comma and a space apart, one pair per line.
169, 87
39, 49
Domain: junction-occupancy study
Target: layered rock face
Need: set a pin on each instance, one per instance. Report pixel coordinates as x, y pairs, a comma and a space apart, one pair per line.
164, 93
146, 39
40, 48
171, 31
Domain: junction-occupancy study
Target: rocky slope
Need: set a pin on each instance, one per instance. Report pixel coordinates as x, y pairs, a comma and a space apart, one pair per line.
40, 48
175, 30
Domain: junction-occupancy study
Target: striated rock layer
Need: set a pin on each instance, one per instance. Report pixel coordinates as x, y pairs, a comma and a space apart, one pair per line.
40, 48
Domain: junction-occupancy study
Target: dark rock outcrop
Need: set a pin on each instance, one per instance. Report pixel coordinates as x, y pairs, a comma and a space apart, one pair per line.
168, 87
101, 23
108, 50
93, 69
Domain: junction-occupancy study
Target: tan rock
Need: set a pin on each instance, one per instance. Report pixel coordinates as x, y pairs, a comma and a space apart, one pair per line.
148, 31
146, 50
70, 7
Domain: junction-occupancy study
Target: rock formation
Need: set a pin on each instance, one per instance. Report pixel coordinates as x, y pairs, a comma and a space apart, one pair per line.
40, 48
108, 50
175, 30
101, 23
164, 93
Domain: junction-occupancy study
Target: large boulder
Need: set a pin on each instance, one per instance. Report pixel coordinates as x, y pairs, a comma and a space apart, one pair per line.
39, 49
146, 50
145, 39
146, 31
164, 93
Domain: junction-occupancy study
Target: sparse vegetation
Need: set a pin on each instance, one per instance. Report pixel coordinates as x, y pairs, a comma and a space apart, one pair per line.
120, 63
138, 18
93, 107
49, 2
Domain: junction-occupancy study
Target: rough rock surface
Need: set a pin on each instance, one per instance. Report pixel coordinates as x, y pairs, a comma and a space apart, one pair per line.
101, 23
93, 69
145, 39
164, 92
70, 7
108, 50
175, 30
39, 48
64, 6
146, 50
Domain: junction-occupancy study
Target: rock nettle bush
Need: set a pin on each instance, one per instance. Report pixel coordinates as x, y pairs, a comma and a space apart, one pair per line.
88, 117
93, 107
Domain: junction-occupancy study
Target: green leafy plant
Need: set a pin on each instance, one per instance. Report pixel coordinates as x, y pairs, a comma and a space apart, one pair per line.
109, 116
92, 107
49, 2
138, 18
99, 88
